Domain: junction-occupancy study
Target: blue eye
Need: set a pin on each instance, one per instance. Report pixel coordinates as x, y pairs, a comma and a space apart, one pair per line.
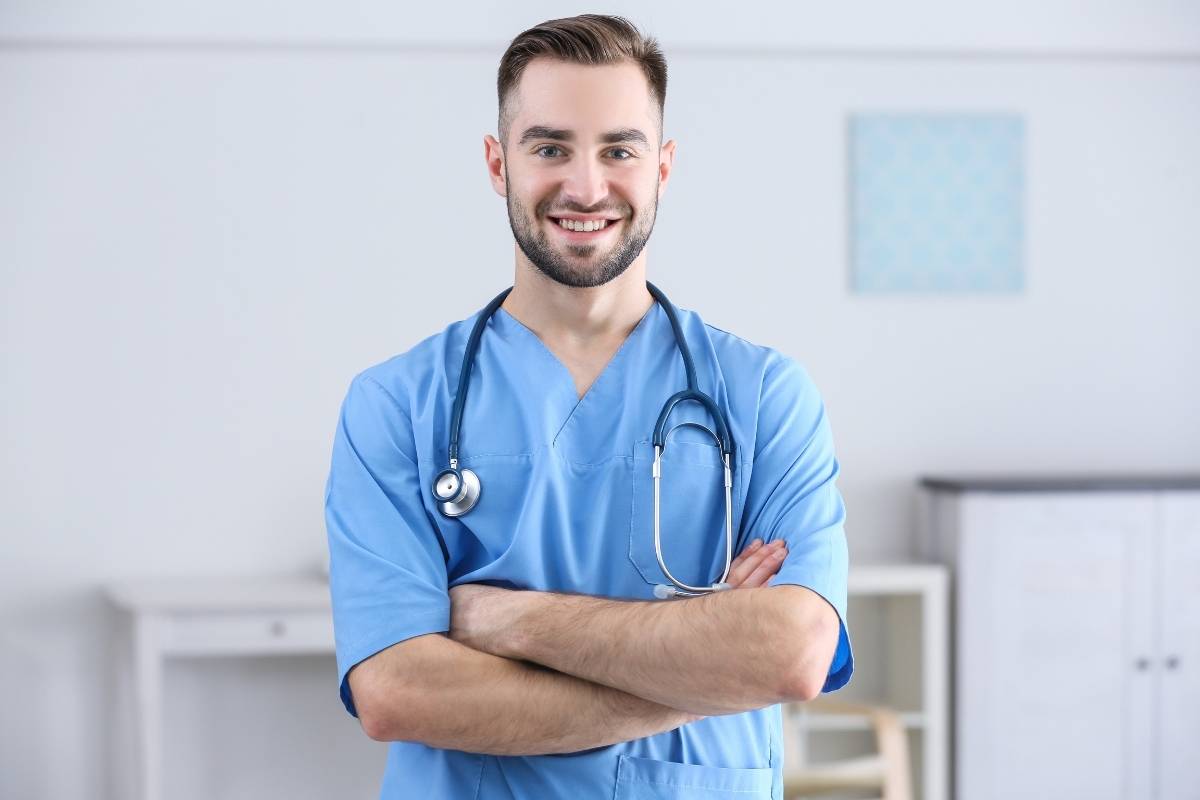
628, 155
546, 147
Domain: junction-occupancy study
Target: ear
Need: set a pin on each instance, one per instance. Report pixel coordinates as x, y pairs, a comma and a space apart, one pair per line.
493, 152
666, 160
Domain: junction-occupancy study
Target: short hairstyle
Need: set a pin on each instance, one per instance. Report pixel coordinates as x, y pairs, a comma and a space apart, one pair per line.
593, 39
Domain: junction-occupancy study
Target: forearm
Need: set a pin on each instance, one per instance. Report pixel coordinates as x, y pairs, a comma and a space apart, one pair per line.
447, 695
716, 654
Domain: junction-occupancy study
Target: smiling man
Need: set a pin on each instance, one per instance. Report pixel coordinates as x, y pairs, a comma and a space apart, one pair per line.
510, 500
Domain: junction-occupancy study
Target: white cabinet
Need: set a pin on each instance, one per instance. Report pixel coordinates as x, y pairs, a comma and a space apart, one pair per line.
1076, 636
1178, 592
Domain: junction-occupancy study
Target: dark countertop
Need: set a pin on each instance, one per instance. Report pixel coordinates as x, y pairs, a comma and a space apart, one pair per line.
1063, 482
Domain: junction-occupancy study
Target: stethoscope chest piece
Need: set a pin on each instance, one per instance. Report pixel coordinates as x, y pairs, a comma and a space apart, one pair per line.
456, 491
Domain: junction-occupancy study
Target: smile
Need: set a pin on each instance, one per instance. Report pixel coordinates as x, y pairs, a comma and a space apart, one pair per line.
578, 228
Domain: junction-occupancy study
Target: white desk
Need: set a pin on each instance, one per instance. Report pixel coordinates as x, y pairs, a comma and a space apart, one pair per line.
211, 617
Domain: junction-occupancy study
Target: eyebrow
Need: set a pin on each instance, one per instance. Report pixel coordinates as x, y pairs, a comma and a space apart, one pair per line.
620, 136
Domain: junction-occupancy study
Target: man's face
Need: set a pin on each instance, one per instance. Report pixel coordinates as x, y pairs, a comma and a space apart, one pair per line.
582, 150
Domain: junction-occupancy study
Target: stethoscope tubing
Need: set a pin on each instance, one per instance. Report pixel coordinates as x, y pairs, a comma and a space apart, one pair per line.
682, 588
457, 492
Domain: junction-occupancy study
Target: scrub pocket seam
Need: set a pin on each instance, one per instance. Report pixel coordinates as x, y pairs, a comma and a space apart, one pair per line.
707, 780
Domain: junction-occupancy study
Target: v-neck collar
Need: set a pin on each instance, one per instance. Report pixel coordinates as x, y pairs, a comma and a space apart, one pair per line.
610, 367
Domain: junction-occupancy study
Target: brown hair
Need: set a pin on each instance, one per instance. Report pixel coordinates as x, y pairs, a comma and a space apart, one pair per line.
586, 39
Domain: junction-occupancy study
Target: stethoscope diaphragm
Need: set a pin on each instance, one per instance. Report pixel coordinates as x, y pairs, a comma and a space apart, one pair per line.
456, 491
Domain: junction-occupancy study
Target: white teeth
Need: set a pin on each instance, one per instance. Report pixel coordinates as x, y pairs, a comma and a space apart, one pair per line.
589, 225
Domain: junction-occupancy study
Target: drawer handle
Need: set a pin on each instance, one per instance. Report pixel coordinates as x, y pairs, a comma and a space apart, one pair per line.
278, 628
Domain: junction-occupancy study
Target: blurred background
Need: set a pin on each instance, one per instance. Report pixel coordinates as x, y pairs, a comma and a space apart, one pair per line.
213, 215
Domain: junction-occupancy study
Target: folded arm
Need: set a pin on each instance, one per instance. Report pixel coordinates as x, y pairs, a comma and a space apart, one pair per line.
439, 692
720, 653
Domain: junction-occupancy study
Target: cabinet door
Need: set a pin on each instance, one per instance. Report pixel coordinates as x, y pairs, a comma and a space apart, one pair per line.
1178, 665
1054, 611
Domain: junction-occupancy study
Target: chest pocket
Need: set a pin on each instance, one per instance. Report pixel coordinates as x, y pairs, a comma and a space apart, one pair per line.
691, 512
479, 542
648, 779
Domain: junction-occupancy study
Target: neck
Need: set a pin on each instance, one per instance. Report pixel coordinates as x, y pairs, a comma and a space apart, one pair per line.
579, 315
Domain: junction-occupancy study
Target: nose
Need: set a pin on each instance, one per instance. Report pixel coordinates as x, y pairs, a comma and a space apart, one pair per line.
585, 183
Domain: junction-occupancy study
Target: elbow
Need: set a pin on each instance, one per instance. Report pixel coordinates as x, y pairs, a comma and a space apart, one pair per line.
401, 718
376, 703
384, 724
800, 686
393, 701
811, 643
798, 681
374, 728
375, 724
372, 714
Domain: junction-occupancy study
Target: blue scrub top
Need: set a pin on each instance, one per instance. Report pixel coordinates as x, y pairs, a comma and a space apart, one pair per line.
567, 505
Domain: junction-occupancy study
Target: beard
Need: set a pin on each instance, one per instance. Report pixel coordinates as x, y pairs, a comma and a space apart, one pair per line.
579, 265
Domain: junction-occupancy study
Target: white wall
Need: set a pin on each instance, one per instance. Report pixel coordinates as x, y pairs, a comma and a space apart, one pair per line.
210, 220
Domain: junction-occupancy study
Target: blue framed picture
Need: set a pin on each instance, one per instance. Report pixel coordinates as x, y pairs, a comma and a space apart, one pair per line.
937, 202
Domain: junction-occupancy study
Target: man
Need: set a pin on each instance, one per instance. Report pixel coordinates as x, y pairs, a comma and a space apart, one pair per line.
516, 650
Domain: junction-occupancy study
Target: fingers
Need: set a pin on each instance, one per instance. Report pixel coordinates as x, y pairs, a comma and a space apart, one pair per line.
756, 562
741, 567
767, 567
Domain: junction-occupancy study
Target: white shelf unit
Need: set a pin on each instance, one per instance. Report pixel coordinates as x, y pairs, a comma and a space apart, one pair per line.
897, 616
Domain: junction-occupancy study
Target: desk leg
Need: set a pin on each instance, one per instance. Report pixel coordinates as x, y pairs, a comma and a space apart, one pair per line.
148, 688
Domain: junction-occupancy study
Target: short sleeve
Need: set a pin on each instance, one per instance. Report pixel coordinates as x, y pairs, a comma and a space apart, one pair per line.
387, 574
793, 496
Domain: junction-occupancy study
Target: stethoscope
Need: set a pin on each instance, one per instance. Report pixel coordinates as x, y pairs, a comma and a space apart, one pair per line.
457, 490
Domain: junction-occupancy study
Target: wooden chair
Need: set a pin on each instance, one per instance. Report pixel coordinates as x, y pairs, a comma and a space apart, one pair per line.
886, 770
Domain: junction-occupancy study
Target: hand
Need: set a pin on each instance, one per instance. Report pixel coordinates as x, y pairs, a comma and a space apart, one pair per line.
756, 564
480, 616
